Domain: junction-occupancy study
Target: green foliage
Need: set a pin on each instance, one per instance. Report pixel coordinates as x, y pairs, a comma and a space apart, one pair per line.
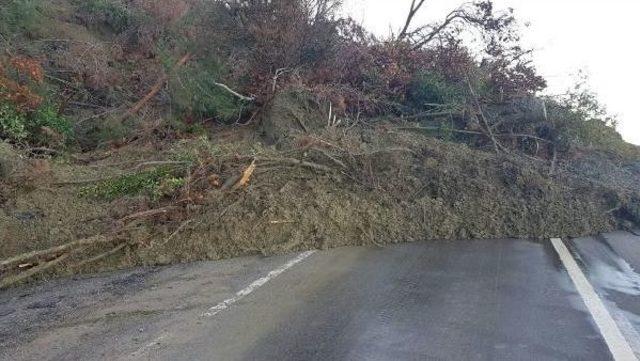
19, 126
114, 14
194, 92
581, 120
430, 88
13, 124
573, 129
21, 17
156, 184
47, 116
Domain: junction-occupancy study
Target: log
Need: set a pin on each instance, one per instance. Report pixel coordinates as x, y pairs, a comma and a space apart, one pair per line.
9, 281
58, 249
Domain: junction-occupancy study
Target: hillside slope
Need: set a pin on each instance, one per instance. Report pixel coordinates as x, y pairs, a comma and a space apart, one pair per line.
138, 133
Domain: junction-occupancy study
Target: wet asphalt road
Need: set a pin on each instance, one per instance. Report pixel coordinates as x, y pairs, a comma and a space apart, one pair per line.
466, 300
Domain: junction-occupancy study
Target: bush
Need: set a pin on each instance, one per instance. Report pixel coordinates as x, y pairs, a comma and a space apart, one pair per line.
47, 117
13, 124
430, 88
194, 93
42, 126
21, 17
113, 14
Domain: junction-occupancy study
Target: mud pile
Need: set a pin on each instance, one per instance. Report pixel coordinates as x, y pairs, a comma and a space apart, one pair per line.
314, 187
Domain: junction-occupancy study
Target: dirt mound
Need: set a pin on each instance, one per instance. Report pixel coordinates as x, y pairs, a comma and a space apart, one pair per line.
394, 187
316, 188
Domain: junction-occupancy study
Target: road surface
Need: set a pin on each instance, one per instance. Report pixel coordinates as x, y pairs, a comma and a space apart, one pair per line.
464, 300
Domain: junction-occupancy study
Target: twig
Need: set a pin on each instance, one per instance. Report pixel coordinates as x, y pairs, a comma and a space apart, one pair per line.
302, 163
332, 158
442, 129
102, 255
95, 116
43, 150
245, 98
476, 100
149, 213
158, 163
87, 181
554, 161
412, 13
281, 222
427, 114
178, 230
385, 150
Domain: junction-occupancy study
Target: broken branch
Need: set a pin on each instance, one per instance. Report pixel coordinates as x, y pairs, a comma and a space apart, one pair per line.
58, 249
154, 90
6, 282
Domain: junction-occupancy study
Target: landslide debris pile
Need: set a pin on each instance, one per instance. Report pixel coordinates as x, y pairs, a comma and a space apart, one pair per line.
145, 133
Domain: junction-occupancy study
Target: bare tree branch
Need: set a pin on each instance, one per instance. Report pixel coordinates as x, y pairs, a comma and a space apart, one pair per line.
415, 7
242, 97
451, 17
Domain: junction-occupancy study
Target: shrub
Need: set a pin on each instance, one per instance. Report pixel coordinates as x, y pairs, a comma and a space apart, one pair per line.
24, 116
13, 124
113, 14
581, 120
47, 117
194, 93
21, 17
42, 126
431, 88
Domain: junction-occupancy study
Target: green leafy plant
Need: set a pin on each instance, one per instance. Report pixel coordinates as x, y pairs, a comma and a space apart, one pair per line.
36, 127
13, 124
580, 119
47, 116
156, 184
194, 92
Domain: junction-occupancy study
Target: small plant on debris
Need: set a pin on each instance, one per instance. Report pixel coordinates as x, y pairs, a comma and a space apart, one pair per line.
157, 183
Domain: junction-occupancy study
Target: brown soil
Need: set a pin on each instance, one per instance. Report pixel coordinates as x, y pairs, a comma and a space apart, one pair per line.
368, 185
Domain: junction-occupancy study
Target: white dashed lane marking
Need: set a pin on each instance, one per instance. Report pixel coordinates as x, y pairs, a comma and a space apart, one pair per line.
255, 285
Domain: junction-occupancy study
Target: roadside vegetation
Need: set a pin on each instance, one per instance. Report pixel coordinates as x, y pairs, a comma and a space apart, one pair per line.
145, 132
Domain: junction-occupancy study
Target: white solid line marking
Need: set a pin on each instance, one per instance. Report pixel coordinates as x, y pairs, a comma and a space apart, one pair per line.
255, 285
616, 342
